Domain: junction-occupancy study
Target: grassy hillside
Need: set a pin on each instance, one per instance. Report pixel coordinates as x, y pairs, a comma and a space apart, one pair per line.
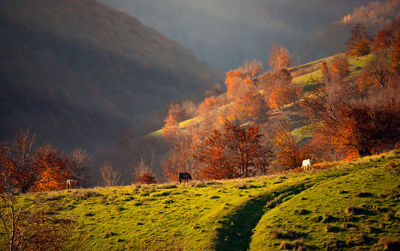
350, 205
304, 76
77, 72
355, 210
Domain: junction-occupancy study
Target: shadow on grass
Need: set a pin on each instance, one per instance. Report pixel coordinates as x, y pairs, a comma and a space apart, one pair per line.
236, 231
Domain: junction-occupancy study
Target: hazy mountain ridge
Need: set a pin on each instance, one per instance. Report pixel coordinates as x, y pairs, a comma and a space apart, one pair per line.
224, 33
331, 39
78, 72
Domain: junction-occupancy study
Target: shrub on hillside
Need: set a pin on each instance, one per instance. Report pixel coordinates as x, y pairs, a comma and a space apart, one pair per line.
143, 174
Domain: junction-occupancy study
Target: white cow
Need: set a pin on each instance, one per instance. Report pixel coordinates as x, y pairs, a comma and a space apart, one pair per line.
306, 164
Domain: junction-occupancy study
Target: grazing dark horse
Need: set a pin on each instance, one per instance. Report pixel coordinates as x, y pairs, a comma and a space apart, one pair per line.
185, 177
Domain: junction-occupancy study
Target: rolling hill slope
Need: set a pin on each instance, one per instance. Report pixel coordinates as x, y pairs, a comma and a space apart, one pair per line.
78, 72
331, 38
256, 213
303, 77
224, 33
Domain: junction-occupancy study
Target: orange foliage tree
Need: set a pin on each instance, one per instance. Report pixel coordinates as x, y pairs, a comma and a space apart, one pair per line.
339, 69
253, 67
283, 94
233, 152
369, 125
56, 168
250, 105
289, 155
30, 168
279, 57
209, 104
358, 43
356, 125
325, 72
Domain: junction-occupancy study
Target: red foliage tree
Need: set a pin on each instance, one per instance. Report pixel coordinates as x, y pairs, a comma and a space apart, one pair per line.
358, 43
356, 125
369, 125
339, 69
283, 94
233, 152
55, 169
381, 40
27, 167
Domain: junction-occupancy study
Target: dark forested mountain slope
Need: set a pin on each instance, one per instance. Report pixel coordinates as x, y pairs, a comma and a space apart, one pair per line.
78, 72
224, 33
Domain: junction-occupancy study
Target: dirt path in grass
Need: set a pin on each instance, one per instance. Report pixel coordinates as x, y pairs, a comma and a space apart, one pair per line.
236, 231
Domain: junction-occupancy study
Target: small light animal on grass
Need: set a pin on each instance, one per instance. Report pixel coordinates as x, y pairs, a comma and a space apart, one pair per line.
71, 183
306, 164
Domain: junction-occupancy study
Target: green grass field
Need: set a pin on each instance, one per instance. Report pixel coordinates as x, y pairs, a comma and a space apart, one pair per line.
262, 213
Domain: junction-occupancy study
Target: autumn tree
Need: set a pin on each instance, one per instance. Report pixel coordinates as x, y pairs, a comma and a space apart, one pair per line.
81, 161
382, 40
215, 91
110, 176
26, 227
369, 125
20, 160
358, 44
180, 157
143, 173
55, 169
253, 67
339, 69
289, 154
395, 54
237, 82
31, 166
271, 79
283, 94
250, 106
214, 159
279, 57
210, 104
278, 88
233, 152
376, 73
353, 124
176, 114
326, 76
321, 107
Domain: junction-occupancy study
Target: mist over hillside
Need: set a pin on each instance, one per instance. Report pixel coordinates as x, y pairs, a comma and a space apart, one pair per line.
331, 39
224, 33
78, 72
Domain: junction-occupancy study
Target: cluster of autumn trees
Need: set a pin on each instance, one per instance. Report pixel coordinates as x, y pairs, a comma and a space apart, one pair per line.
27, 166
218, 145
357, 117
233, 136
